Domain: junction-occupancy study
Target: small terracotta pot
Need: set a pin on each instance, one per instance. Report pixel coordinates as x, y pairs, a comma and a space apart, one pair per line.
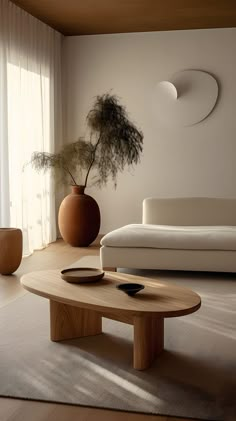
11, 250
79, 218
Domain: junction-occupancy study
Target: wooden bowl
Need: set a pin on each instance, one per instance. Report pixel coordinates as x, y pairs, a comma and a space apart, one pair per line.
82, 275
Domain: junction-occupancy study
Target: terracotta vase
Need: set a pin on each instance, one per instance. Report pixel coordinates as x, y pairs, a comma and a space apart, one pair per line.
79, 218
10, 250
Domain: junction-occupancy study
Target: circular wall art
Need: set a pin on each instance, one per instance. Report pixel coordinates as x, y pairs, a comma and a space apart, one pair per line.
186, 99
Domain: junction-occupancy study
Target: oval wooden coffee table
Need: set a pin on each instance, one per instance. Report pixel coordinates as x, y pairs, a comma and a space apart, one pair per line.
76, 310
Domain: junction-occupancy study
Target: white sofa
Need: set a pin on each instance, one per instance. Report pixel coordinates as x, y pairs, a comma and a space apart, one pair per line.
195, 233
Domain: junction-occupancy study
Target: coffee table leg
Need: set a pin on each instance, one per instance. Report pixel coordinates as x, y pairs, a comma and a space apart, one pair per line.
67, 322
148, 340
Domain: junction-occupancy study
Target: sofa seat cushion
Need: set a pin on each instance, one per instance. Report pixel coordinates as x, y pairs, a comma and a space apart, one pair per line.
172, 237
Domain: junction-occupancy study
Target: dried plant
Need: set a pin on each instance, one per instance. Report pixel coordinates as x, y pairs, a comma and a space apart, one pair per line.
114, 142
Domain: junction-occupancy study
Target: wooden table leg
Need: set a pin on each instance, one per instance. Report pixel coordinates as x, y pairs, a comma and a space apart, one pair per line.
67, 322
148, 340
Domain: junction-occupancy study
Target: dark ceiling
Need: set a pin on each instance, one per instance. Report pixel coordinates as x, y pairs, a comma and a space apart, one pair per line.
83, 17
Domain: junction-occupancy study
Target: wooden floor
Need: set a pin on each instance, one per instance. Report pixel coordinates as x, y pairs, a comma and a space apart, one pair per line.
55, 256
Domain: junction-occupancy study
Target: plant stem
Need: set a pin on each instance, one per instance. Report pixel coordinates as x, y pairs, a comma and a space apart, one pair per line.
67, 170
92, 161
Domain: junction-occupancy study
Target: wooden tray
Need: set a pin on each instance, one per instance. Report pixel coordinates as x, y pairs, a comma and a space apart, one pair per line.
82, 275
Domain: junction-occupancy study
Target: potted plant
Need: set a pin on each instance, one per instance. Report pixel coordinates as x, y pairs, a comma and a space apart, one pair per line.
114, 143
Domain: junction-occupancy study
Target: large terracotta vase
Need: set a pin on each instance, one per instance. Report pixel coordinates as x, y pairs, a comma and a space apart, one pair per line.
10, 250
79, 218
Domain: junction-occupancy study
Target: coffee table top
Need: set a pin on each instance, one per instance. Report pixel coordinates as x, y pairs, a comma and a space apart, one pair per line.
159, 298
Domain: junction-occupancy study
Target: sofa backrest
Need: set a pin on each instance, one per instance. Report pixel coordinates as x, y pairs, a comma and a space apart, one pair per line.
189, 211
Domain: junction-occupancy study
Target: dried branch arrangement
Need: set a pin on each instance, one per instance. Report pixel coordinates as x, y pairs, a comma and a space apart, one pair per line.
114, 143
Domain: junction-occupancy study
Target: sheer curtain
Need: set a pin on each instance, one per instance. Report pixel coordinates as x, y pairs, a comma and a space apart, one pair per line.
30, 120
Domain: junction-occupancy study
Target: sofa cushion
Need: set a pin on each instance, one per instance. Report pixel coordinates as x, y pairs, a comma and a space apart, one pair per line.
172, 237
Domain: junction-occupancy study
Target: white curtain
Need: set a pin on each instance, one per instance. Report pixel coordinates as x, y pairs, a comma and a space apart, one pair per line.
30, 120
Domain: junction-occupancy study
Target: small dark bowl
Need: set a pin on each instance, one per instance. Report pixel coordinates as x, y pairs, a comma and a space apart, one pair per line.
130, 289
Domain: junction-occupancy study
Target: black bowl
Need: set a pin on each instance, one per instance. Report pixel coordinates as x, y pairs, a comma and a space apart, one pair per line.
130, 289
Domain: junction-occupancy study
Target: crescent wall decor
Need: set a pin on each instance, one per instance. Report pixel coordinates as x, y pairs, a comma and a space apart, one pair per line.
186, 99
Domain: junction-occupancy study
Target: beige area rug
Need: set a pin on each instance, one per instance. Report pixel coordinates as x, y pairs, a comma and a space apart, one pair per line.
194, 377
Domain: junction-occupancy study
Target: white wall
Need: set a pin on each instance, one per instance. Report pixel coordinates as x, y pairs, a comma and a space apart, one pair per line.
190, 161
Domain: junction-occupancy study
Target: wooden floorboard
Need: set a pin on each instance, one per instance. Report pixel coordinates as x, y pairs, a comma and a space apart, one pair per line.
56, 256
